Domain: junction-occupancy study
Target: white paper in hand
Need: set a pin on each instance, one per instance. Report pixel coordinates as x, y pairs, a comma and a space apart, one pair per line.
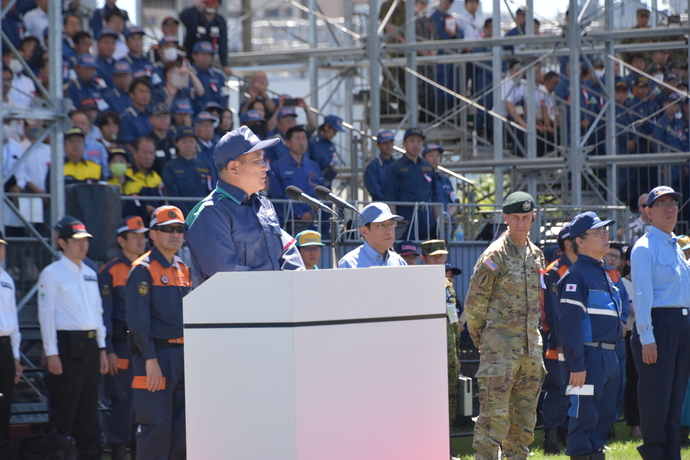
585, 390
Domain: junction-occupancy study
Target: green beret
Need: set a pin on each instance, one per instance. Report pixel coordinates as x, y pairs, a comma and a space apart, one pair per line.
518, 202
434, 247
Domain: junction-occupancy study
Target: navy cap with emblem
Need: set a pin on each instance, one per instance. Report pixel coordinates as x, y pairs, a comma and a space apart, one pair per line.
662, 190
518, 203
122, 67
414, 132
454, 270
159, 108
203, 47
168, 39
184, 131
564, 234
334, 122
586, 221
251, 116
205, 116
182, 106
385, 136
107, 32
134, 30
73, 132
237, 143
429, 147
286, 112
87, 60
407, 248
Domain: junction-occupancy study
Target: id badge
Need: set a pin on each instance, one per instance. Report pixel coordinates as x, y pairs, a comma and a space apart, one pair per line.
452, 312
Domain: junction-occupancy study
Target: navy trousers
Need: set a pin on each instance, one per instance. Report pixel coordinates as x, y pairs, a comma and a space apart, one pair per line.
118, 388
662, 385
555, 406
591, 417
161, 434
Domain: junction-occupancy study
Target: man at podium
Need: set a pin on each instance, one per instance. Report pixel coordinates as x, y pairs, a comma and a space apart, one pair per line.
235, 229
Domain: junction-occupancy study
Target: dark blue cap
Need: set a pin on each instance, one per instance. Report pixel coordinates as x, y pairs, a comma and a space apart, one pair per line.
182, 106
213, 105
286, 112
407, 248
334, 122
64, 221
87, 60
250, 116
159, 108
168, 39
520, 11
431, 146
107, 32
565, 232
204, 116
414, 132
671, 76
45, 31
385, 136
237, 143
183, 131
203, 47
662, 190
133, 30
674, 97
552, 252
122, 67
586, 221
454, 270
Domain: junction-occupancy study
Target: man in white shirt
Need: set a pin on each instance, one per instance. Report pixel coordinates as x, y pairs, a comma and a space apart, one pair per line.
71, 317
513, 89
23, 88
10, 366
545, 111
36, 21
639, 226
469, 21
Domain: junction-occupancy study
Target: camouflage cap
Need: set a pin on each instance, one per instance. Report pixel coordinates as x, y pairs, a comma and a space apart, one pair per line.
518, 203
434, 247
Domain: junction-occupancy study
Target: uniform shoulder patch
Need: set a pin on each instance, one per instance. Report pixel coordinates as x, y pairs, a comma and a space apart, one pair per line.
105, 290
490, 264
571, 287
144, 288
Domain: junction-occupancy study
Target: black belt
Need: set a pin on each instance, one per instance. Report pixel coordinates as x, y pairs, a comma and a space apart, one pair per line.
602, 345
671, 311
79, 334
4, 340
165, 343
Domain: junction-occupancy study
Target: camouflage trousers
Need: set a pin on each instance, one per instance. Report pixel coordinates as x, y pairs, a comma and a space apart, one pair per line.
451, 331
509, 388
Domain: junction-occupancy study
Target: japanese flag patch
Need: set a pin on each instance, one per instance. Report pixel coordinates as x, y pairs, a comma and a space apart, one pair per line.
570, 288
490, 264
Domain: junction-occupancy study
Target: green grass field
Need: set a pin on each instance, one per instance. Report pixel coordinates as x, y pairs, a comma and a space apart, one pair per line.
622, 448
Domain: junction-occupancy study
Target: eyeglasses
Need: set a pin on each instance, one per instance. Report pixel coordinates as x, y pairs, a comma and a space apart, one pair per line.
666, 204
600, 232
170, 229
389, 226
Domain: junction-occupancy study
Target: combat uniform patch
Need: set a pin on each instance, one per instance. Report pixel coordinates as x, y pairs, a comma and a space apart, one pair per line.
554, 287
105, 290
143, 288
484, 280
490, 264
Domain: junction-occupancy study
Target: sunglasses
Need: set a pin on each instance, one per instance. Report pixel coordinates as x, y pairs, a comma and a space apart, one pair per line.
170, 229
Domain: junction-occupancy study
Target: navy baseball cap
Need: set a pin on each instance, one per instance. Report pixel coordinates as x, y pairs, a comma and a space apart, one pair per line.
183, 131
87, 60
87, 104
671, 76
286, 112
237, 143
429, 147
674, 97
204, 116
251, 116
385, 136
203, 47
133, 30
213, 105
74, 131
159, 108
334, 122
662, 190
454, 270
407, 248
107, 31
377, 212
182, 106
414, 132
641, 81
586, 221
552, 252
168, 39
564, 233
122, 67
74, 229
64, 221
169, 20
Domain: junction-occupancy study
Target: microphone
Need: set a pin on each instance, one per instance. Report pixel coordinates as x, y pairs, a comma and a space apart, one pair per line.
295, 194
323, 193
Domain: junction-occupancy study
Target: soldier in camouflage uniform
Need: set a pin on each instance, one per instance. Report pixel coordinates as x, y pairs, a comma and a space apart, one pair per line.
434, 253
502, 309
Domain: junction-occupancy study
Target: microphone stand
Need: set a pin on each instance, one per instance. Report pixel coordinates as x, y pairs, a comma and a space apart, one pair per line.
335, 232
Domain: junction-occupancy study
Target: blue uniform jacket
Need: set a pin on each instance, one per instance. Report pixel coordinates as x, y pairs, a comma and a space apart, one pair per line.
13, 28
321, 151
201, 30
189, 178
117, 100
213, 81
640, 109
105, 70
206, 151
305, 176
112, 278
408, 181
78, 90
671, 132
552, 309
278, 151
623, 129
230, 231
443, 190
590, 309
153, 294
142, 63
133, 124
375, 176
98, 18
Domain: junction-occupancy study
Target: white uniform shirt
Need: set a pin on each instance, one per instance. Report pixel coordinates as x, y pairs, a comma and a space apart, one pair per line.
512, 90
22, 92
9, 324
11, 153
471, 26
68, 300
36, 21
542, 98
37, 164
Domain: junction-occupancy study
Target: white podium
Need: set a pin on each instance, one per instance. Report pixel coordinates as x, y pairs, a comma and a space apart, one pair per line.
318, 365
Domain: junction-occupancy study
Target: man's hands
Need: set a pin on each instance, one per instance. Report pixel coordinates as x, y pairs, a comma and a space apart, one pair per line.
18, 370
113, 365
104, 362
54, 364
649, 353
577, 379
154, 375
